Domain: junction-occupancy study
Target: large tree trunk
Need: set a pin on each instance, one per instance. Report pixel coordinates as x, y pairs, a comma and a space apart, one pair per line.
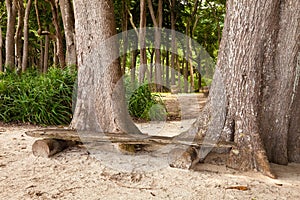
69, 29
258, 63
280, 90
100, 102
26, 38
9, 41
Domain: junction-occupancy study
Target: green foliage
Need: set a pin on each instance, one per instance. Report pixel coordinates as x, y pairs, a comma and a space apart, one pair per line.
37, 98
206, 81
142, 104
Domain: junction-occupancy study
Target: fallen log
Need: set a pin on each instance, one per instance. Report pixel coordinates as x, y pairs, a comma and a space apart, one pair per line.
124, 138
56, 140
48, 147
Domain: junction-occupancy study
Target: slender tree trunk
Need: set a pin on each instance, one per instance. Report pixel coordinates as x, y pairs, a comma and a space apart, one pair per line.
18, 35
199, 72
157, 42
46, 54
69, 29
124, 35
100, 104
167, 69
142, 40
59, 39
134, 54
191, 67
9, 41
55, 58
1, 45
185, 68
41, 60
173, 42
151, 64
178, 73
188, 66
163, 69
189, 32
26, 38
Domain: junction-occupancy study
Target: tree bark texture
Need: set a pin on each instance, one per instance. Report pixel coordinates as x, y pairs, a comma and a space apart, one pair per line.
46, 53
142, 41
1, 45
157, 42
173, 42
258, 63
48, 147
9, 41
26, 38
69, 29
124, 35
59, 39
19, 34
100, 102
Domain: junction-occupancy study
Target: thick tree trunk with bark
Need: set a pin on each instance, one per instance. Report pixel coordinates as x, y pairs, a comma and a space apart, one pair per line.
9, 41
258, 63
100, 102
69, 29
26, 38
279, 122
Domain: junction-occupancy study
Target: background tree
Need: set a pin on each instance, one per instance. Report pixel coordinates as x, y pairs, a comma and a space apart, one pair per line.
19, 33
59, 39
69, 29
26, 36
142, 38
10, 33
157, 22
1, 44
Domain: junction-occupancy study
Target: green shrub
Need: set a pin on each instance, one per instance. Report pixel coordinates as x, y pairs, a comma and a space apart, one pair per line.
142, 104
37, 98
47, 98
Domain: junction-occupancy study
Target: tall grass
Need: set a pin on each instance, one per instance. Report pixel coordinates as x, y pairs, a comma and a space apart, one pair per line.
37, 98
47, 98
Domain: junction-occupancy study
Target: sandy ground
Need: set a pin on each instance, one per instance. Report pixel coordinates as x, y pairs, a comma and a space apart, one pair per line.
74, 174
